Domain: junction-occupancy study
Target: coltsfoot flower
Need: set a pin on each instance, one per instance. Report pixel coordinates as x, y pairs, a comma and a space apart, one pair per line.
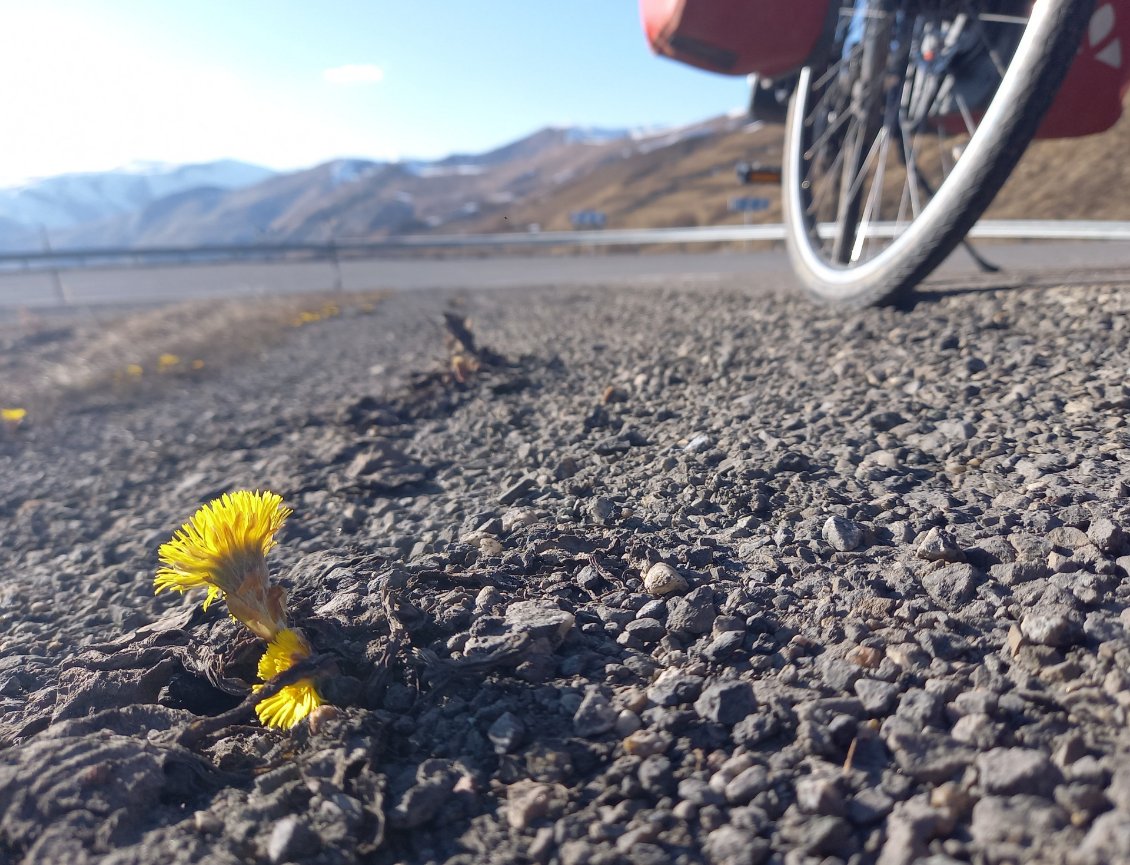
294, 702
224, 548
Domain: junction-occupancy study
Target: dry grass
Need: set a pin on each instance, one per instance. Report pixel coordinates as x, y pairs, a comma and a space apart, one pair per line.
1075, 178
688, 183
90, 359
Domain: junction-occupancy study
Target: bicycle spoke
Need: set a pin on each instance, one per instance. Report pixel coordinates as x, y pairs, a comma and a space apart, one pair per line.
845, 205
904, 201
816, 201
872, 211
911, 175
990, 48
942, 155
834, 69
966, 115
827, 133
822, 107
1002, 19
857, 182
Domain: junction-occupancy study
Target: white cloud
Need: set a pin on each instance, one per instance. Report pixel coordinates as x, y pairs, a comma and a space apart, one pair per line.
354, 73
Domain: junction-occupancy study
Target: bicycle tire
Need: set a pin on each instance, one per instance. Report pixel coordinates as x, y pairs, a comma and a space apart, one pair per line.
1010, 120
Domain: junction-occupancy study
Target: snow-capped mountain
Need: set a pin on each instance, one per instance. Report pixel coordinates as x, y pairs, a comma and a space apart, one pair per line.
150, 204
73, 199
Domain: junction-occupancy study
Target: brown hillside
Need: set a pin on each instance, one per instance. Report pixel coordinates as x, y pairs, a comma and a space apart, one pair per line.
687, 183
691, 182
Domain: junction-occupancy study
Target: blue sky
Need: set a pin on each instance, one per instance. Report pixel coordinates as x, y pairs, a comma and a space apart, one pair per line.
96, 84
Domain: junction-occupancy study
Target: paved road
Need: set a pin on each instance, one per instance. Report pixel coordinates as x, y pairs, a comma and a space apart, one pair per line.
157, 284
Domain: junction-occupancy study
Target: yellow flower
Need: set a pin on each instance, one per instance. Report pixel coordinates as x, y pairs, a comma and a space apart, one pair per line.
167, 362
12, 415
224, 548
198, 364
294, 702
134, 370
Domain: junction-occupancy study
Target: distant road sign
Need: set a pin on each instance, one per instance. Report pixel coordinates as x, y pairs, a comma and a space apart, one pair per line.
755, 173
587, 219
748, 205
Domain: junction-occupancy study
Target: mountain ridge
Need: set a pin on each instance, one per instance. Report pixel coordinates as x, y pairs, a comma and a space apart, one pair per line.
638, 178
69, 200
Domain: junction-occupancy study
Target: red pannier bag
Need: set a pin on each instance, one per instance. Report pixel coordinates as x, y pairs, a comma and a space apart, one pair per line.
1091, 96
735, 37
775, 37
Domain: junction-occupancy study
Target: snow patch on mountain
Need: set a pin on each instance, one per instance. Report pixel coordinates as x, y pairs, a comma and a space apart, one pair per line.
72, 199
647, 139
595, 134
344, 171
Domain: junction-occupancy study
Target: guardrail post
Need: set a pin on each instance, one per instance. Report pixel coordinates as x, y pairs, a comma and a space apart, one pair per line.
335, 258
61, 293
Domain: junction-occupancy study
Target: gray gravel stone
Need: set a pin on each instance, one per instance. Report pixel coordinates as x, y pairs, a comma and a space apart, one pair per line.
1051, 628
878, 697
291, 839
820, 796
1010, 771
595, 716
927, 756
540, 619
920, 707
726, 702
939, 546
517, 491
529, 801
603, 510
1107, 840
910, 828
661, 579
951, 586
729, 845
656, 775
506, 733
699, 792
869, 806
692, 614
747, 784
1015, 820
723, 646
842, 534
674, 688
1107, 536
646, 630
1118, 790
977, 729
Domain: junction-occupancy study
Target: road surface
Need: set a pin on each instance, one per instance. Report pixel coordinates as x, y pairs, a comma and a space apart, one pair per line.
159, 284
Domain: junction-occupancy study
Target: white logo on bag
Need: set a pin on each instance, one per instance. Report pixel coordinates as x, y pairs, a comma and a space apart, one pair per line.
1102, 25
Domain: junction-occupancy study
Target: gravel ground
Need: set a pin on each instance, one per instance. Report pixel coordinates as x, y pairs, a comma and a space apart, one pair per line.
684, 573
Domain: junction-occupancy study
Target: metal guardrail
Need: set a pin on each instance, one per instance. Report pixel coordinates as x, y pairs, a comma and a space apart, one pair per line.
66, 259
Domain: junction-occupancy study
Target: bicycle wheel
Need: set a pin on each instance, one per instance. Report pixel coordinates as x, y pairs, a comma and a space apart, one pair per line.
896, 144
